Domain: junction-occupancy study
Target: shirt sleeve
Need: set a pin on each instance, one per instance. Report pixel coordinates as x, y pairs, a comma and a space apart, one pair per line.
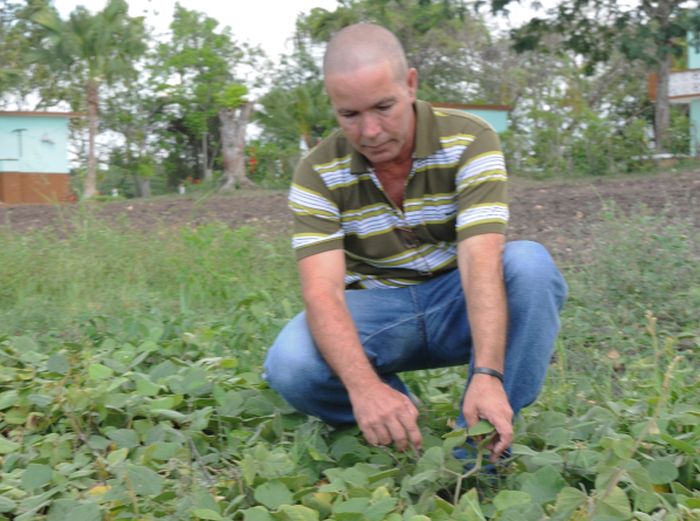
482, 203
315, 214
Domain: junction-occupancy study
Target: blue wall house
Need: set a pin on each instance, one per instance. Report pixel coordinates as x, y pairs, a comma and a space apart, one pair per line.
34, 164
494, 115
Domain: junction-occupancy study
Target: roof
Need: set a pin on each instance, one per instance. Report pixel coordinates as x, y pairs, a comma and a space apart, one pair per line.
43, 114
462, 106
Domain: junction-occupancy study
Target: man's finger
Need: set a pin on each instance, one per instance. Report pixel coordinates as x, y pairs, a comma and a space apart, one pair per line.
503, 437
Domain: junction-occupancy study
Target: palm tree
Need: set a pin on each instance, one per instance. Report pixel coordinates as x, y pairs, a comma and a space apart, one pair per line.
95, 49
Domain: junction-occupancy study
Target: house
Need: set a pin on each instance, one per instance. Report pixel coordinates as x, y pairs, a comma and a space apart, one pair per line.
494, 115
34, 164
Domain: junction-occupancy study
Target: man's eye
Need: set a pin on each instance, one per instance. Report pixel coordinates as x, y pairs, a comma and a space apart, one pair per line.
384, 107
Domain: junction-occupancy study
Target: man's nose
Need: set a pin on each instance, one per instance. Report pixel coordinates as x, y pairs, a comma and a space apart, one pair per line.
370, 126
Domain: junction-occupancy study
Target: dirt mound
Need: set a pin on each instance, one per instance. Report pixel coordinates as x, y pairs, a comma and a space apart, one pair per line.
559, 214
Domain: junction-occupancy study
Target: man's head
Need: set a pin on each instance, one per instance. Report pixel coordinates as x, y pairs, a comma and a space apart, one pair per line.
372, 91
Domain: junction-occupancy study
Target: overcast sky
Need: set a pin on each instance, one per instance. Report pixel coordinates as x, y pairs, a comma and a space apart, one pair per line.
268, 23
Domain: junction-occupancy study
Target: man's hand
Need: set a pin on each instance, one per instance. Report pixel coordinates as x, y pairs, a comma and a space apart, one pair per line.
386, 416
486, 399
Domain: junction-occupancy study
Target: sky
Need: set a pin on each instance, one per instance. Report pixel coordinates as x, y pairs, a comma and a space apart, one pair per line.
267, 23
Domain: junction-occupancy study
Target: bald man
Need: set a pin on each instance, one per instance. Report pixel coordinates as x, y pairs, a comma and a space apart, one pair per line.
400, 218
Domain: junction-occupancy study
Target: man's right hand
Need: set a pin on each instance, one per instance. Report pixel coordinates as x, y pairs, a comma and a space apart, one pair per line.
386, 416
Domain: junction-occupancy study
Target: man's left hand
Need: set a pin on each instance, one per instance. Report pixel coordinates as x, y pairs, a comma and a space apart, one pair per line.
486, 399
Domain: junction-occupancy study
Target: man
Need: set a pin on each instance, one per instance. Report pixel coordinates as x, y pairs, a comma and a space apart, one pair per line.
399, 232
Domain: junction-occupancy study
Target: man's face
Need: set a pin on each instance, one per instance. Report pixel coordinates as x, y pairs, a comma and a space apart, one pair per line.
374, 109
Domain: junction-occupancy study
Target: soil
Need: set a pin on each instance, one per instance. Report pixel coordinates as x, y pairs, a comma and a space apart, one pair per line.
559, 214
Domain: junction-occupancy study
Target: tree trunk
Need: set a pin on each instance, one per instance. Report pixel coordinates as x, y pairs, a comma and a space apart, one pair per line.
661, 13
92, 95
662, 116
207, 172
143, 185
233, 128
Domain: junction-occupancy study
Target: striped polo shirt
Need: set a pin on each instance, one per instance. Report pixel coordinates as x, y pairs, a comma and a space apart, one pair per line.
456, 189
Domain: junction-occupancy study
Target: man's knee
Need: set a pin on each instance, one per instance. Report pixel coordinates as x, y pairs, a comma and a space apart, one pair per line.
529, 267
293, 360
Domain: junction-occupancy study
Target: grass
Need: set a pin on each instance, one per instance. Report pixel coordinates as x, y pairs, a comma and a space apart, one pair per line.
130, 388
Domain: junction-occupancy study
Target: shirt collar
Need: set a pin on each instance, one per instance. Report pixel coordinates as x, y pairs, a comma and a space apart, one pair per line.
427, 138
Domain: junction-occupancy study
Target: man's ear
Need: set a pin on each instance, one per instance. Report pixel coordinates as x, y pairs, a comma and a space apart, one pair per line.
412, 82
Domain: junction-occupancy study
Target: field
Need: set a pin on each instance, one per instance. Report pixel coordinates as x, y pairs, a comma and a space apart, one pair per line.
132, 334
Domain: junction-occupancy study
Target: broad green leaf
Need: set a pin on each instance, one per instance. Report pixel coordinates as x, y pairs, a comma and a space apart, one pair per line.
662, 472
40, 400
24, 344
639, 476
36, 476
351, 447
165, 402
273, 494
544, 485
144, 481
57, 363
482, 427
169, 414
99, 372
469, 503
547, 458
357, 505
8, 399
149, 345
378, 510
432, 459
257, 514
298, 513
522, 450
390, 473
205, 513
569, 500
124, 438
616, 505
117, 456
677, 444
7, 505
7, 446
511, 498
164, 450
144, 386
74, 511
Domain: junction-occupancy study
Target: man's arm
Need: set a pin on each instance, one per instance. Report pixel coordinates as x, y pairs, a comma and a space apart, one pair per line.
480, 260
383, 414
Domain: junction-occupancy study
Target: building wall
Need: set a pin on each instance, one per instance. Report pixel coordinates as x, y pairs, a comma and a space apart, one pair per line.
34, 143
23, 188
494, 115
34, 157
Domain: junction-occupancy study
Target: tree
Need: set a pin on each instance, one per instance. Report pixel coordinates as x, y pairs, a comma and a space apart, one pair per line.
197, 65
93, 49
22, 79
296, 108
651, 32
438, 37
234, 116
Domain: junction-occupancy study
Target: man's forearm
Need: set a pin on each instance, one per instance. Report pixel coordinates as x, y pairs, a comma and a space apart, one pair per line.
336, 336
482, 280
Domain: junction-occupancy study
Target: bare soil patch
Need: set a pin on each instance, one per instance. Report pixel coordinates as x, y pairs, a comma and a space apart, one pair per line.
559, 214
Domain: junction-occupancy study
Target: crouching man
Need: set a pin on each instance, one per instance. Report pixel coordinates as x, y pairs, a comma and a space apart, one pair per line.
400, 218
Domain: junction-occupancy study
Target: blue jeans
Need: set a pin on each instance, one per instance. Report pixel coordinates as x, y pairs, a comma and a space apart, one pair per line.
425, 326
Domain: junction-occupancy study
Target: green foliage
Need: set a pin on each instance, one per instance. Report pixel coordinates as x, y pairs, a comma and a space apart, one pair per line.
232, 96
196, 73
130, 387
429, 30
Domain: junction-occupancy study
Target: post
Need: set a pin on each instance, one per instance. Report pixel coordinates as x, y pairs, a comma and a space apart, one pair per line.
694, 63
